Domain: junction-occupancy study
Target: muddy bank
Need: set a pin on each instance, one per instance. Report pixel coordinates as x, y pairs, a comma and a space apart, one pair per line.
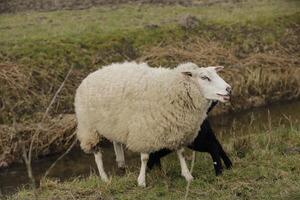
50, 137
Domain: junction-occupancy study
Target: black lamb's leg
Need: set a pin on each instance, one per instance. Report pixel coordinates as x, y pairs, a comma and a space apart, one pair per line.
214, 152
224, 156
154, 158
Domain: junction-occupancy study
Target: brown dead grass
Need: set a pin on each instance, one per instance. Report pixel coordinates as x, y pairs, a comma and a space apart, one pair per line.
257, 79
20, 90
25, 90
55, 136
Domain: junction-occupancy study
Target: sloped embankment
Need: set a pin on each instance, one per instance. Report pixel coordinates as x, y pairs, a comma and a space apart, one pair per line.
258, 79
261, 61
51, 137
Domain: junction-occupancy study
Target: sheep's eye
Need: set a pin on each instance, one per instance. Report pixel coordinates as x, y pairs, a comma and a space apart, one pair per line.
205, 78
187, 73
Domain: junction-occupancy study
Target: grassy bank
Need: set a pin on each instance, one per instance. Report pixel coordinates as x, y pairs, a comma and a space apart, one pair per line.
257, 41
266, 166
117, 21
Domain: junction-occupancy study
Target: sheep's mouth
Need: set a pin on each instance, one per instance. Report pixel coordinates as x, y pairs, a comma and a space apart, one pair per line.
225, 97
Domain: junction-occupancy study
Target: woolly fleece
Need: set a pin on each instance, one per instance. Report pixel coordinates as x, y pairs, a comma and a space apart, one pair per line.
145, 108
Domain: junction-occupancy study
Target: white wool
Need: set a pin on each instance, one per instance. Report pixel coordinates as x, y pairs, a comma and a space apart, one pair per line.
145, 108
187, 66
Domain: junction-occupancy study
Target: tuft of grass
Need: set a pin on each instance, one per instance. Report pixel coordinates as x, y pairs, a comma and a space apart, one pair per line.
262, 173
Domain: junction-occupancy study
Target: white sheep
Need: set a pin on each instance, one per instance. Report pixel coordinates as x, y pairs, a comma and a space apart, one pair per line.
145, 108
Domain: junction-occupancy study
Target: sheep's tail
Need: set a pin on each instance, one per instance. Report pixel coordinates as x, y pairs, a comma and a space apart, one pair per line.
89, 140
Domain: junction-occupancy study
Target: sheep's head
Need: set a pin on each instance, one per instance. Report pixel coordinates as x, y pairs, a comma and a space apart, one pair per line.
211, 85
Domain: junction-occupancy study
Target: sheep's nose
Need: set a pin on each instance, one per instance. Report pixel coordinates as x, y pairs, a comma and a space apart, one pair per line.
228, 89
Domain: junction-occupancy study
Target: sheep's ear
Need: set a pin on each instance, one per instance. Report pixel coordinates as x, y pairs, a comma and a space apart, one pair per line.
187, 73
218, 68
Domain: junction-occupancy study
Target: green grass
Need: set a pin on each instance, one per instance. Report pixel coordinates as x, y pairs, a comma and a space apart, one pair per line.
36, 36
106, 21
265, 170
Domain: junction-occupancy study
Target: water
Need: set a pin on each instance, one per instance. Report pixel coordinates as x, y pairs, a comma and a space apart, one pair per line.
257, 119
77, 163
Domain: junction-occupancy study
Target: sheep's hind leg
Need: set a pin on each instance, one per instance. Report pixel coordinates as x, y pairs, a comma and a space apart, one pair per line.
99, 162
154, 158
119, 154
142, 175
185, 172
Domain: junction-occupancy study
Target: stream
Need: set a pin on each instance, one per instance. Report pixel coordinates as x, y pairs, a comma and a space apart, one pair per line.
79, 164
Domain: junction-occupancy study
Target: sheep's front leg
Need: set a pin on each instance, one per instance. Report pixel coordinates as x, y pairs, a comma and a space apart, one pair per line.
99, 162
224, 156
142, 176
119, 154
185, 172
214, 152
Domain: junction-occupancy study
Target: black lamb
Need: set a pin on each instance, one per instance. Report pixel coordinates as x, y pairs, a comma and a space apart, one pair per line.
205, 141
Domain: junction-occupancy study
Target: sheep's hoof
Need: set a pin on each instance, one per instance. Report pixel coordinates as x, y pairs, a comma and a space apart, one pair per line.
104, 178
141, 182
121, 165
188, 177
